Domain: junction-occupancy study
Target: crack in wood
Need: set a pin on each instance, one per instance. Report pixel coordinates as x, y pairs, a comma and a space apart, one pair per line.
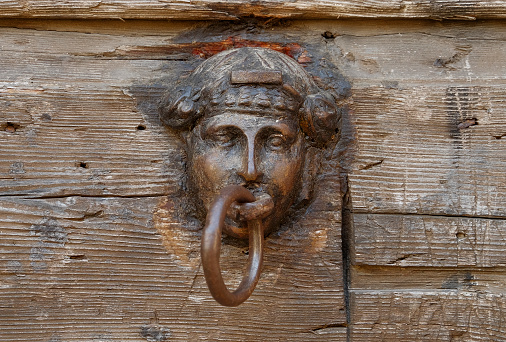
87, 216
461, 52
77, 257
484, 217
467, 123
371, 165
404, 257
31, 197
346, 236
319, 329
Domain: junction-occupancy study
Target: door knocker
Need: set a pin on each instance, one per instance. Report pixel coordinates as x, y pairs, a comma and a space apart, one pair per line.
252, 120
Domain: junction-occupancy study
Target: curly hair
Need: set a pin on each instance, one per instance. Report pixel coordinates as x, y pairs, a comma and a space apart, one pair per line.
212, 87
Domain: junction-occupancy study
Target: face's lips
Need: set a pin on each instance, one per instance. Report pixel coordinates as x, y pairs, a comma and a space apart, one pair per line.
240, 213
259, 209
254, 188
263, 208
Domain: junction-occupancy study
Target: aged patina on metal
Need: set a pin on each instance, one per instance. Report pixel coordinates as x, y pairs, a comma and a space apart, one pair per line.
211, 241
248, 117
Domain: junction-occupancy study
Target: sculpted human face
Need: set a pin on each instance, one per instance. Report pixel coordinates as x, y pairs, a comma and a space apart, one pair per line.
261, 151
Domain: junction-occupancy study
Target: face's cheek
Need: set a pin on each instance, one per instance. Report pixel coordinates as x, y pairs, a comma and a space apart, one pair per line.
283, 173
211, 168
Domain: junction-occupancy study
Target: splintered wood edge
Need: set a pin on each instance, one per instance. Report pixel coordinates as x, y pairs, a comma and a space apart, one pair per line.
269, 9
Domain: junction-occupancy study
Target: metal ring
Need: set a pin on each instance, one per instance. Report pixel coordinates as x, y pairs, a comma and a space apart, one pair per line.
211, 245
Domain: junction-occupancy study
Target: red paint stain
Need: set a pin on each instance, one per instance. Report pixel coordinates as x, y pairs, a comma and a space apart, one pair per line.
206, 50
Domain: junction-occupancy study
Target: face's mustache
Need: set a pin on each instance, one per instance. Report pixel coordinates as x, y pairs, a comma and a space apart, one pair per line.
252, 185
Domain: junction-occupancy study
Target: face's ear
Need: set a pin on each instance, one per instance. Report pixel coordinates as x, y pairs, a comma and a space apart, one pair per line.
311, 166
320, 117
178, 109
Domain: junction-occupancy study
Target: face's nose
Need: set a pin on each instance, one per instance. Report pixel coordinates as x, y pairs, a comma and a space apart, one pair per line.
249, 170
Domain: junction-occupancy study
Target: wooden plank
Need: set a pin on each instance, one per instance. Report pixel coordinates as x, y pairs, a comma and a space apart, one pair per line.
413, 92
338, 31
406, 278
132, 65
407, 316
93, 242
448, 55
81, 143
430, 150
116, 271
81, 119
371, 53
69, 124
220, 9
128, 269
412, 240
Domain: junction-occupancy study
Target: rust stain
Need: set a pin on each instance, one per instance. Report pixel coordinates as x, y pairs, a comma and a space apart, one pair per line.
304, 58
204, 49
467, 123
10, 127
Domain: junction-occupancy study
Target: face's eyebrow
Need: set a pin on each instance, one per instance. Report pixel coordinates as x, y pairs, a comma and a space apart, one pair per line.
246, 122
285, 127
215, 122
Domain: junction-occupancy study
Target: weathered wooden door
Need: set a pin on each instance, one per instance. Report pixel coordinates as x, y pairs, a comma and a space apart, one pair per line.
404, 239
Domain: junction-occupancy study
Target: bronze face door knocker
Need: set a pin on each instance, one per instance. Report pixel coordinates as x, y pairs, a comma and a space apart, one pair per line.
248, 117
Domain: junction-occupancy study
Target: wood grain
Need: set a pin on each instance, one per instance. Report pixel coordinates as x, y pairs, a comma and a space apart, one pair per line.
411, 315
80, 143
426, 184
90, 269
416, 156
219, 9
441, 55
417, 278
414, 94
412, 240
94, 245
432, 166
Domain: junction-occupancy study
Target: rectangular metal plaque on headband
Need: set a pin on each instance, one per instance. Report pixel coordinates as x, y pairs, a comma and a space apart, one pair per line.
256, 77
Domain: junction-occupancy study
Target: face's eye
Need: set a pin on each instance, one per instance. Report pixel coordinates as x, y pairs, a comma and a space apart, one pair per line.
276, 142
223, 137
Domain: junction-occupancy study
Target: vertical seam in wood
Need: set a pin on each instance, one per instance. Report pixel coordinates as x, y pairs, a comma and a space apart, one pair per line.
346, 228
